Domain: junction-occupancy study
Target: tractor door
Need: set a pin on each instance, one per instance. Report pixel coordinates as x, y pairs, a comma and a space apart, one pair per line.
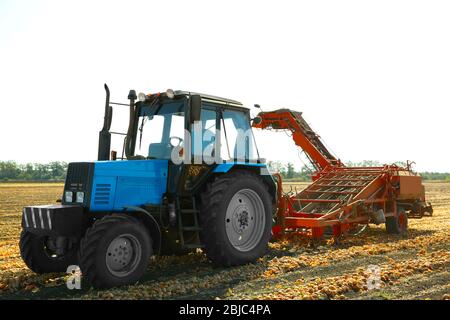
237, 137
205, 149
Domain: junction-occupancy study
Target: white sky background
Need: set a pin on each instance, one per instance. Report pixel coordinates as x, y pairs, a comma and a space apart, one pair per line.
371, 77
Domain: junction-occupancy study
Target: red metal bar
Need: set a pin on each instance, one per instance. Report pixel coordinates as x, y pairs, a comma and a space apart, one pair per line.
365, 168
294, 222
343, 179
357, 174
306, 215
320, 200
331, 192
339, 185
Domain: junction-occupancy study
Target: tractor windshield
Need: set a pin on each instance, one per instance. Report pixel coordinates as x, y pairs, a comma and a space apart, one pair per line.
160, 130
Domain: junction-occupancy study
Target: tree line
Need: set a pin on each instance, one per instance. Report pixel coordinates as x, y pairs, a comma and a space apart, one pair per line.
13, 171
56, 171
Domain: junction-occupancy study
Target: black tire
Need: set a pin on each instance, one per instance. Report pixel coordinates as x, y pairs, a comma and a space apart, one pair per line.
214, 203
397, 224
40, 259
98, 240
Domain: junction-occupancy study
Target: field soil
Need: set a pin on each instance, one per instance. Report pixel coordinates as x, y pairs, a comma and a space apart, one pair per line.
372, 265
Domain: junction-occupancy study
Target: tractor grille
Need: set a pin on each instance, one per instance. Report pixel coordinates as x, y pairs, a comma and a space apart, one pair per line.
79, 178
39, 217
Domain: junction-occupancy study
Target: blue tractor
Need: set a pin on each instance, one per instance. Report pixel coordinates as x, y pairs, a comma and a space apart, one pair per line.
189, 176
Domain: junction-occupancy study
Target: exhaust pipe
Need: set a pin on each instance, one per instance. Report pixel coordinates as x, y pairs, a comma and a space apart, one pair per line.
104, 139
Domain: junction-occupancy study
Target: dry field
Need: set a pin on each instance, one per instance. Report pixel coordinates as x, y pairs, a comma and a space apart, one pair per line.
415, 267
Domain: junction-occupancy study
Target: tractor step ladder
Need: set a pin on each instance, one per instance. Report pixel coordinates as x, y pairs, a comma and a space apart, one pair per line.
194, 242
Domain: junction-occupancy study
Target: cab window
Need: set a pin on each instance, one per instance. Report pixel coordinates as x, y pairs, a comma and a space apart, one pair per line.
236, 136
159, 132
204, 136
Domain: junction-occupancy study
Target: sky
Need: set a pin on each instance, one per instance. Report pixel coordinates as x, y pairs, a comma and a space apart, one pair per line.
371, 77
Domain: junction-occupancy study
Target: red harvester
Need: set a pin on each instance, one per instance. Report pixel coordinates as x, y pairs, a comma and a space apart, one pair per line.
342, 199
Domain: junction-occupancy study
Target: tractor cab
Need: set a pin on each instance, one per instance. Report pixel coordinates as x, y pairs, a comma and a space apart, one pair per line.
187, 132
188, 127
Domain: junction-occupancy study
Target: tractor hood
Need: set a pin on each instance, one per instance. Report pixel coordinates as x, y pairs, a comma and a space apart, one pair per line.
114, 185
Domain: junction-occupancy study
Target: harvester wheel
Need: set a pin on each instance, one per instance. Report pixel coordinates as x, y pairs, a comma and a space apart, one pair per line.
397, 224
236, 218
115, 251
40, 257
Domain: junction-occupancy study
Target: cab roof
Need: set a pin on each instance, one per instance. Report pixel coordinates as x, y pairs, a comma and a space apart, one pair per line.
210, 98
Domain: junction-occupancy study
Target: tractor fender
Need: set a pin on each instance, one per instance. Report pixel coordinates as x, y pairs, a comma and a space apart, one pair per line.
258, 168
150, 223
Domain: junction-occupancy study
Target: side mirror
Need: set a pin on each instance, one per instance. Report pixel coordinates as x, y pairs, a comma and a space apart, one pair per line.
256, 120
195, 108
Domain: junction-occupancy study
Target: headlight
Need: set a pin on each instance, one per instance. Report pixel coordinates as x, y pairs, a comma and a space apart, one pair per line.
142, 96
68, 195
80, 197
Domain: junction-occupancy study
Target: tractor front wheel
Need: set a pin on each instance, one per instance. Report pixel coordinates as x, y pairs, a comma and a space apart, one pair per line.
236, 219
115, 251
39, 253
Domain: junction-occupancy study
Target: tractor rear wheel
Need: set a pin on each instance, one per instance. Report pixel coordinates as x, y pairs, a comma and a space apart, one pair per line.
38, 253
115, 251
397, 224
235, 218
